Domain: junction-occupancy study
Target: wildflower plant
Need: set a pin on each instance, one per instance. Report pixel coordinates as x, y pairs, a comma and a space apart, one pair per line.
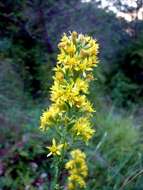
69, 115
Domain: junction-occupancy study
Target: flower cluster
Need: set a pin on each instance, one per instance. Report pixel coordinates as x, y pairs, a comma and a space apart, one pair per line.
82, 128
77, 169
78, 52
71, 111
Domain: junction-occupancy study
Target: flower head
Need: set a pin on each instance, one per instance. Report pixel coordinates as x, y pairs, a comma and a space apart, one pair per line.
82, 128
55, 149
49, 116
78, 52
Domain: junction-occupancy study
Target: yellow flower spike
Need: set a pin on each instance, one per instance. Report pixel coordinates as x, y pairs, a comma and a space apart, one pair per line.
71, 111
55, 149
77, 170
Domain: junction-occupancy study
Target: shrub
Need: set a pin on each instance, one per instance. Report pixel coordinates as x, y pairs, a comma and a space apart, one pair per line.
125, 79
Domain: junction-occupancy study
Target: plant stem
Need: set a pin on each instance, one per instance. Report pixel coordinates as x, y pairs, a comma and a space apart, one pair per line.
55, 185
58, 162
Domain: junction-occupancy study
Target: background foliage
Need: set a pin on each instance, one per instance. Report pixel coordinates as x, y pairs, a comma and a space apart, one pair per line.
29, 33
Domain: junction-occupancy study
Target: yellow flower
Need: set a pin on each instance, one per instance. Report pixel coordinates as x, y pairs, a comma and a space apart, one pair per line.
59, 76
81, 85
57, 92
49, 116
77, 170
82, 103
55, 149
69, 62
78, 52
70, 48
64, 41
61, 57
88, 107
67, 45
82, 128
76, 181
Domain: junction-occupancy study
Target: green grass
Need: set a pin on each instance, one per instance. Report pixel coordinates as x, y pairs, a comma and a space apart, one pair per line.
116, 153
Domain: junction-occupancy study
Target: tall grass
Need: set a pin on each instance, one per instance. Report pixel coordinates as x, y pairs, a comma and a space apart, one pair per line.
116, 161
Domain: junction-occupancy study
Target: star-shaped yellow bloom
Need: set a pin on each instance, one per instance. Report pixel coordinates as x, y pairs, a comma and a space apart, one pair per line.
55, 149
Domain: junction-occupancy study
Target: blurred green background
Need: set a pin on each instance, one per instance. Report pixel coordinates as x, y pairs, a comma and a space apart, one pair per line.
29, 33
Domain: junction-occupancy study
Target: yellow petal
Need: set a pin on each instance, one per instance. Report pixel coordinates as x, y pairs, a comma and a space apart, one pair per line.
54, 142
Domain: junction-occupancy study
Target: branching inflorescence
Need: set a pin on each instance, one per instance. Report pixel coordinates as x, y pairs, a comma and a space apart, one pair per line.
70, 112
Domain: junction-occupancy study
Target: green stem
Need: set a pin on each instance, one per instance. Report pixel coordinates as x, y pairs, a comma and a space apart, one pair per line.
58, 162
55, 185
